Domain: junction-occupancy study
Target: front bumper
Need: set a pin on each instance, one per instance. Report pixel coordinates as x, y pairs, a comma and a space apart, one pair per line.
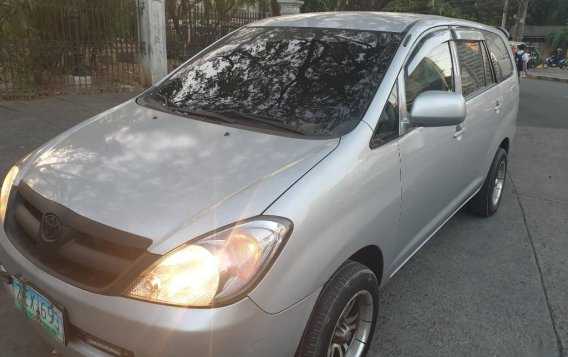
147, 329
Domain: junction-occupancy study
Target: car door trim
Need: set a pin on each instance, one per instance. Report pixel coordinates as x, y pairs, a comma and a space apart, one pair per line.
433, 233
466, 33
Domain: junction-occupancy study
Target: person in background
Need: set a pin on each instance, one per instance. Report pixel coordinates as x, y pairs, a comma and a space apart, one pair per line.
521, 58
514, 49
558, 56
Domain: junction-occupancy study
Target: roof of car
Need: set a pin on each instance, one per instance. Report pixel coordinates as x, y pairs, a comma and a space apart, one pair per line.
353, 20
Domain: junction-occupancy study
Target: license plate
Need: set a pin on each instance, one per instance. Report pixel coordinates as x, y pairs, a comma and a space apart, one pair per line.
39, 308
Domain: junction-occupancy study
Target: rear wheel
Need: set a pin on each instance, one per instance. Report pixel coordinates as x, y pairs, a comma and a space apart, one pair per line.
486, 202
344, 318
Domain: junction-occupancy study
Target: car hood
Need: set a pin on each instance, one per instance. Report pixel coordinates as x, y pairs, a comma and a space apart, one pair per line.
153, 174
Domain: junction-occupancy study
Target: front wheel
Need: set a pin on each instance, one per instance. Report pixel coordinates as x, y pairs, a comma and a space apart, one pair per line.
486, 202
345, 315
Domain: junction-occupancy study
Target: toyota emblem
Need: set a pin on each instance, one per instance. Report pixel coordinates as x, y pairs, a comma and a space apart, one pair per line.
50, 227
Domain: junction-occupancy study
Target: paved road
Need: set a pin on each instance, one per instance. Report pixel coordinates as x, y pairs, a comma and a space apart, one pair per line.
549, 73
494, 286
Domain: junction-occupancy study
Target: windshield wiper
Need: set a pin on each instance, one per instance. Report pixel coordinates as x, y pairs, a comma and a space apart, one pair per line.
163, 100
167, 103
260, 119
208, 114
228, 116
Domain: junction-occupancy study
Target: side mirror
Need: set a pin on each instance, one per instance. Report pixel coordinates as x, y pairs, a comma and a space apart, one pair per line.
438, 108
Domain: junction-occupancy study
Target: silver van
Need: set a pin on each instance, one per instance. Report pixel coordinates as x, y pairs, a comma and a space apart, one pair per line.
253, 202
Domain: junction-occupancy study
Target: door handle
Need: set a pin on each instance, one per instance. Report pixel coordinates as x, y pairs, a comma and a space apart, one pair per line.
460, 130
498, 105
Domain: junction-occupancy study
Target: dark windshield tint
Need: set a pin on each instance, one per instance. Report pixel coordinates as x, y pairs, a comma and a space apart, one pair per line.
314, 81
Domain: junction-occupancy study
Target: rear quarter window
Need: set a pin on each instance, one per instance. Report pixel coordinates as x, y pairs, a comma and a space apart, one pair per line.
500, 56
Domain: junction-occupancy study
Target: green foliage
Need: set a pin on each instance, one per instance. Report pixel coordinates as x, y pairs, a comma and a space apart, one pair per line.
56, 19
345, 5
445, 8
321, 5
558, 38
484, 11
15, 16
37, 37
547, 13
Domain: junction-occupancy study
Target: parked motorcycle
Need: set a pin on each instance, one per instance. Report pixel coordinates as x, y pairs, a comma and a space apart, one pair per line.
551, 62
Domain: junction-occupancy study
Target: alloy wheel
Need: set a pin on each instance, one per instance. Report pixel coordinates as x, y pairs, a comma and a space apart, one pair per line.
352, 330
499, 183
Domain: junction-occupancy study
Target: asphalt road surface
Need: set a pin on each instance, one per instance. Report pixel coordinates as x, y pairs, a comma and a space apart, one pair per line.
479, 287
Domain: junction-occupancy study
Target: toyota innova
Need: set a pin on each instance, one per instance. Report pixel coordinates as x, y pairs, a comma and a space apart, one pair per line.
253, 201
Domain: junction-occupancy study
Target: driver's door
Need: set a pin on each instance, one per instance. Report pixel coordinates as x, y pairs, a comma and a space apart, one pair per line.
432, 159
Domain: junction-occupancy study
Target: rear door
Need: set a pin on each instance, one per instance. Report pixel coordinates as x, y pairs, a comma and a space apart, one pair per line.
484, 104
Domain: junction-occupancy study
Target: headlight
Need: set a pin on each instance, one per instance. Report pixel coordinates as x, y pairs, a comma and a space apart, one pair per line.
214, 270
5, 193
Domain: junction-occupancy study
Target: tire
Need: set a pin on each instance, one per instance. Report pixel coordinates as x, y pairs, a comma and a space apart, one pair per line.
353, 284
484, 203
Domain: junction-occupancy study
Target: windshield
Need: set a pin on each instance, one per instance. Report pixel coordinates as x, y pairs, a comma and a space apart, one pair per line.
309, 81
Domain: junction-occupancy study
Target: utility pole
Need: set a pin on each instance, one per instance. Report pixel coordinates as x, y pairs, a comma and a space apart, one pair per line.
152, 19
523, 18
520, 19
504, 19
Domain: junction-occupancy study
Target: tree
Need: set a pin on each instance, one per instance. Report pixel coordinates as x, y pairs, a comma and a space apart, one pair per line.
14, 16
345, 5
445, 8
547, 13
484, 11
37, 37
558, 38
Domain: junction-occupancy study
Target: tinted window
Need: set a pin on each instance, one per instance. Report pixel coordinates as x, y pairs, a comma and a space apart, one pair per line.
434, 72
387, 128
472, 72
500, 56
489, 80
317, 81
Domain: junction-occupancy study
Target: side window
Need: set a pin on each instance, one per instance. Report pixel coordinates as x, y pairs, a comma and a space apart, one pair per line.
470, 58
500, 56
489, 80
434, 72
387, 128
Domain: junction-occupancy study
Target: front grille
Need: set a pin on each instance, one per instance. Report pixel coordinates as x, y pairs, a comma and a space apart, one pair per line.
84, 253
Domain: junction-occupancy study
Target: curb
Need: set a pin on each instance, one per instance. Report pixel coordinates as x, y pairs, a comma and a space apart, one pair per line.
546, 78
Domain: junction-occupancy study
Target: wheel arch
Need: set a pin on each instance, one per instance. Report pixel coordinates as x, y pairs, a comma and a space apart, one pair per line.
372, 257
505, 145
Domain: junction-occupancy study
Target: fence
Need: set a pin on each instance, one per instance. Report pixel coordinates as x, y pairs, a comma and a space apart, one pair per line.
190, 29
70, 45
